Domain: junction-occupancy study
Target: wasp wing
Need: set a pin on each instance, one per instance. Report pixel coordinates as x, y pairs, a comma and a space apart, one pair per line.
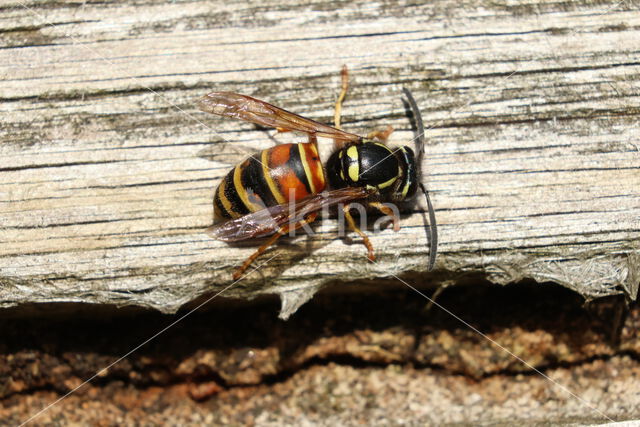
269, 220
243, 107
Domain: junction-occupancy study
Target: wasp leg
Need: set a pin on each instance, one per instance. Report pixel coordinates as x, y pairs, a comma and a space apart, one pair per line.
281, 232
344, 73
345, 86
388, 212
381, 135
354, 227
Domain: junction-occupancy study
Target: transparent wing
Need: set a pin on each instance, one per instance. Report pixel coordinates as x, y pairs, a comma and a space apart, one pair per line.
229, 104
269, 220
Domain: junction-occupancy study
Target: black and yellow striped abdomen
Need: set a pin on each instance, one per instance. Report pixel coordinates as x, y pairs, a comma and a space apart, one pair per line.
273, 176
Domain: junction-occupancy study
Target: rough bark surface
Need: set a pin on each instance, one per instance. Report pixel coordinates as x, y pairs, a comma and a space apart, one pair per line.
107, 172
108, 169
378, 358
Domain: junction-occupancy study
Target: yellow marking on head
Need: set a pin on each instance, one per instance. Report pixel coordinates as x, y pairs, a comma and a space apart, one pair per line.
387, 183
266, 172
407, 184
405, 189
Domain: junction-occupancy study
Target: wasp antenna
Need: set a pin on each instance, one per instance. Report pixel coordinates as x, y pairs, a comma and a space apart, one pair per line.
419, 139
433, 230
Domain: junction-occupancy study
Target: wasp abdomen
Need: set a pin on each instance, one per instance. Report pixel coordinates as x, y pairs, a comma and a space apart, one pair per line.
273, 176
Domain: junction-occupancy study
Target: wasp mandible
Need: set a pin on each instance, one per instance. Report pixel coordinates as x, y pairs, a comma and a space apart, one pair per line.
282, 188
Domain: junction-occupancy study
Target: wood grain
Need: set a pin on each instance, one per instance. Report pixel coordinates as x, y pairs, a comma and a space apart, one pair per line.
108, 169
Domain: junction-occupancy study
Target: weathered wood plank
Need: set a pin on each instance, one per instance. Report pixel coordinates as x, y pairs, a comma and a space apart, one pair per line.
108, 169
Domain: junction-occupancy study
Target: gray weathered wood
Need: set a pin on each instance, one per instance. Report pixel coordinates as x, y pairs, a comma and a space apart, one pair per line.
108, 169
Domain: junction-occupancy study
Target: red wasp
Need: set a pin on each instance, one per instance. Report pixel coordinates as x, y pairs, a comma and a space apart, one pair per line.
282, 188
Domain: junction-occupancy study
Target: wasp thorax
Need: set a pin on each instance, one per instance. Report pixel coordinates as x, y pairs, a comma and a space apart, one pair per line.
370, 164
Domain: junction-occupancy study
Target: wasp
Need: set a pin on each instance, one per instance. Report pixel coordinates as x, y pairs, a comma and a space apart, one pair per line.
283, 188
